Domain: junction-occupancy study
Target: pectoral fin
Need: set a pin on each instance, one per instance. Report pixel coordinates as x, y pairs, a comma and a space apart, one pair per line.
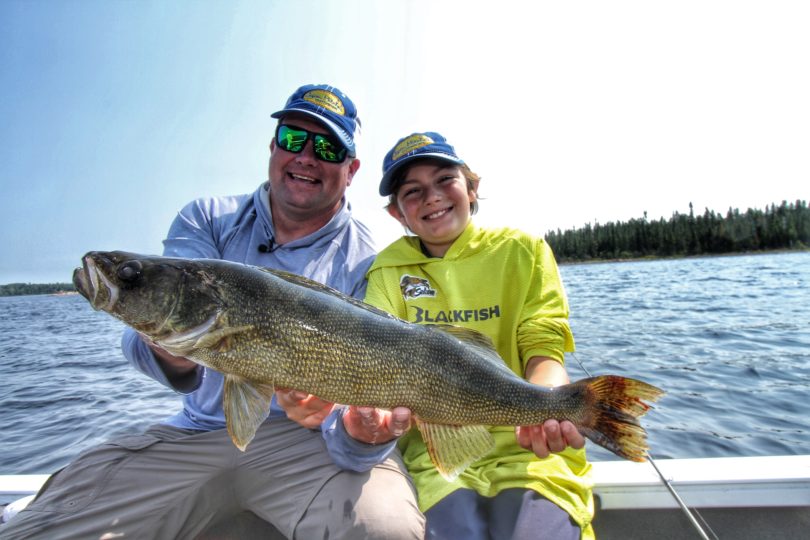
453, 448
211, 334
246, 406
220, 339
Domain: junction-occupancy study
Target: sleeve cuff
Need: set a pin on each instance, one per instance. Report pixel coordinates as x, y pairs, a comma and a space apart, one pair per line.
138, 353
349, 453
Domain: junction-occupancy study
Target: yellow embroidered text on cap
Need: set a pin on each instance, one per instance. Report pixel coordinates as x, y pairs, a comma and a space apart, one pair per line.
327, 100
410, 144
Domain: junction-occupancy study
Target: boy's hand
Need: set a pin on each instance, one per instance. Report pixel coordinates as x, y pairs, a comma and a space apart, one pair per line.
549, 437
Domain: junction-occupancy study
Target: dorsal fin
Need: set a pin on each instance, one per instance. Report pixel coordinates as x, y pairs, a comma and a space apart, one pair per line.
467, 335
475, 340
296, 279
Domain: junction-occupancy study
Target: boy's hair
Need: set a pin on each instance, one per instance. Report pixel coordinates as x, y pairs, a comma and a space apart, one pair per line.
472, 180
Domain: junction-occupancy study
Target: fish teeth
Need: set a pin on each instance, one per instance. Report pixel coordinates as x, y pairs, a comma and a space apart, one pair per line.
94, 275
112, 292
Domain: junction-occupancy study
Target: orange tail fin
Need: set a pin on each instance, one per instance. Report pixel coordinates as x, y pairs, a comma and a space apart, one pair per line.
614, 406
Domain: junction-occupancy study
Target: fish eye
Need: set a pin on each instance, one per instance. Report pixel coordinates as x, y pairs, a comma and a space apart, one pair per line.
130, 271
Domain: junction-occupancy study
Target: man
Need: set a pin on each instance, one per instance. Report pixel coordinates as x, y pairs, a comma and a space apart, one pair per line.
184, 476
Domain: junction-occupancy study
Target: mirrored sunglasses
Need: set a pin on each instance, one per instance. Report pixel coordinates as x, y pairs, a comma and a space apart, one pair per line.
294, 139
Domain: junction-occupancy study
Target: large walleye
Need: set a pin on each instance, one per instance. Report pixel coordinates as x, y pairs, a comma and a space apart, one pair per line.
265, 328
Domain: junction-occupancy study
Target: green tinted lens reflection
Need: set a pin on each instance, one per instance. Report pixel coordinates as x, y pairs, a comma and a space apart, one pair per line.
327, 151
292, 140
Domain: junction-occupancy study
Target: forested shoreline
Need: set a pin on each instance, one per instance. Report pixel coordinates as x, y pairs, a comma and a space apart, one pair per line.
21, 289
783, 227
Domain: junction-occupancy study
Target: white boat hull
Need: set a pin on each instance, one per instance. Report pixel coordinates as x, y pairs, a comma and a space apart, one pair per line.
740, 498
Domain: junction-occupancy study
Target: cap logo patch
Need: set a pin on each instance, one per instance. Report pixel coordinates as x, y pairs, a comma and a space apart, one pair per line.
325, 99
409, 144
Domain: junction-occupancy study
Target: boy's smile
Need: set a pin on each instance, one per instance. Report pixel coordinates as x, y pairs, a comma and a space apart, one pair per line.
433, 201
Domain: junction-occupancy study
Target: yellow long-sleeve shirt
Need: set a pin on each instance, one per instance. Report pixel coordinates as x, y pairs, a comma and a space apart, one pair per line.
503, 283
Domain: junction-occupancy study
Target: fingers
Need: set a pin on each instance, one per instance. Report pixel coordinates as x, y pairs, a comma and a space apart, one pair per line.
289, 397
173, 365
363, 424
553, 436
376, 426
548, 438
308, 410
573, 437
369, 418
400, 421
538, 441
524, 436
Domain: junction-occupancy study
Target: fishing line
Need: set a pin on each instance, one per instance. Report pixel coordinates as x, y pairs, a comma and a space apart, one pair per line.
669, 485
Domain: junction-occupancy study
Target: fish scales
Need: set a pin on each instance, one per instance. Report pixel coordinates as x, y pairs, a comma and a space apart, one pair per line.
375, 365
344, 353
263, 328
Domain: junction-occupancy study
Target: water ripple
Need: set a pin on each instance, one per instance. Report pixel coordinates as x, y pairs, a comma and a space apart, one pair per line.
728, 338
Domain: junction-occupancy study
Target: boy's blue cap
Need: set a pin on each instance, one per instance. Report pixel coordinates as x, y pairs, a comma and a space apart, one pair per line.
330, 106
415, 146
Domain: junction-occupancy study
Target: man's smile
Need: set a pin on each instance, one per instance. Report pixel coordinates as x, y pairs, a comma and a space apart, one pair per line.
303, 178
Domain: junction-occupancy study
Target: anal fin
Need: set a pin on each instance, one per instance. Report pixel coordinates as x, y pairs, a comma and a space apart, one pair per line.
453, 448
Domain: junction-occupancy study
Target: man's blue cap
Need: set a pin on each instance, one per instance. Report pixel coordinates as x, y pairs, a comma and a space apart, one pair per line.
328, 105
415, 146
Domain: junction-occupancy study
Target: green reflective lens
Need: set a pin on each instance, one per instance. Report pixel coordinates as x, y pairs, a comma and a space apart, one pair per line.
294, 139
327, 151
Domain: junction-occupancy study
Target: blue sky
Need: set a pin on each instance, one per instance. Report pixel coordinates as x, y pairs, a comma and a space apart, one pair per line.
114, 114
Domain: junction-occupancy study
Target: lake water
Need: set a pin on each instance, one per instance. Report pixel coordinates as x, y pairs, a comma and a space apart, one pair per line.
728, 338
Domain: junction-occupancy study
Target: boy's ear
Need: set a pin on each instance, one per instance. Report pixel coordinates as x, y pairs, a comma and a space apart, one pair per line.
393, 210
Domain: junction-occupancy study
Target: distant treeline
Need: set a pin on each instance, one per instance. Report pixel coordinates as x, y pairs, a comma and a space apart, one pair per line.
786, 226
18, 289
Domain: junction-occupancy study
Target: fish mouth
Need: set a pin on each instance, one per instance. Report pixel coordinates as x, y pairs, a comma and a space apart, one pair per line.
92, 282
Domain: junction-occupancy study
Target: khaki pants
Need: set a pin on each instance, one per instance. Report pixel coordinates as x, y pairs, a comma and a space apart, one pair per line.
170, 483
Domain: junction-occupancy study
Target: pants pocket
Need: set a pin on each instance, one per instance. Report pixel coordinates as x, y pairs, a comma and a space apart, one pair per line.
79, 483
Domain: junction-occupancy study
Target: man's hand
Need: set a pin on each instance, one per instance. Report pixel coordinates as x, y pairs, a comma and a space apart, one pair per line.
177, 369
365, 424
308, 410
549, 437
376, 426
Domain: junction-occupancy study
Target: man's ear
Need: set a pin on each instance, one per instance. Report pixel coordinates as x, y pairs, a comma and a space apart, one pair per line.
353, 166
